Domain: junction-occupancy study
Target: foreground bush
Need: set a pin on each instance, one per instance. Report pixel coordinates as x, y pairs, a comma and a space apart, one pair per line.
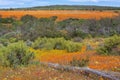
79, 63
111, 46
56, 43
15, 54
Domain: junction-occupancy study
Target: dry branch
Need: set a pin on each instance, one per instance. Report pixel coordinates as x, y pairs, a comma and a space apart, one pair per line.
83, 70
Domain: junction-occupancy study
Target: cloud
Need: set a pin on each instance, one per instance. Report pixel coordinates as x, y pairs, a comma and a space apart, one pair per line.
30, 3
5, 2
21, 2
93, 0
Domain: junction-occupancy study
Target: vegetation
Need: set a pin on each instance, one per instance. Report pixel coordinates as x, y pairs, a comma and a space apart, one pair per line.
6, 20
39, 72
68, 7
65, 42
96, 61
56, 43
30, 28
15, 54
79, 63
111, 46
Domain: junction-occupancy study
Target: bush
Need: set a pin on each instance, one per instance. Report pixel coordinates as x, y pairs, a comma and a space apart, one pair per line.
27, 18
79, 63
111, 46
56, 43
43, 43
16, 54
72, 46
4, 41
7, 41
7, 20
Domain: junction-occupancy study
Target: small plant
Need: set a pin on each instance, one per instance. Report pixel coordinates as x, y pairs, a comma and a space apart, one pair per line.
79, 63
116, 11
16, 54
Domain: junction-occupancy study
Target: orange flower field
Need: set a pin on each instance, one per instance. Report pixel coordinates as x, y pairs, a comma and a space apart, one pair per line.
62, 57
61, 14
60, 40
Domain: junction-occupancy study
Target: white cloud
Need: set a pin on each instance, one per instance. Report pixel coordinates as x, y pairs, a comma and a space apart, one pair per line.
21, 2
5, 2
30, 3
93, 0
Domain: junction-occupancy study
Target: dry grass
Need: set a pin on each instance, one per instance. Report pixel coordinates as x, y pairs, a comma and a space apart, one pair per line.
38, 73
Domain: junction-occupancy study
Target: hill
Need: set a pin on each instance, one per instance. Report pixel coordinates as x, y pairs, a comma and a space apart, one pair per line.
68, 7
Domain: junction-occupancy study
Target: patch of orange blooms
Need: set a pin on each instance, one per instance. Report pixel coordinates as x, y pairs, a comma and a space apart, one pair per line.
61, 14
63, 57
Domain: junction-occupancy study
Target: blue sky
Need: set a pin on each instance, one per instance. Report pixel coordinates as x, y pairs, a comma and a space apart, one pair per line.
31, 3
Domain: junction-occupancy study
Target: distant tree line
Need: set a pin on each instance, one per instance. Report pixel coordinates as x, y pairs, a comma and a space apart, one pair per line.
67, 7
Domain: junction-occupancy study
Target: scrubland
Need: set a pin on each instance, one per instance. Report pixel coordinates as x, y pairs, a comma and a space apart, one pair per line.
76, 39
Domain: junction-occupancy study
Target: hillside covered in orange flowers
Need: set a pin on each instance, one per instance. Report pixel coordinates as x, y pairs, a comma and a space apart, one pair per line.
61, 14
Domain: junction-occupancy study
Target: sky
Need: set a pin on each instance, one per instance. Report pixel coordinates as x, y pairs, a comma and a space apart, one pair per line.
33, 3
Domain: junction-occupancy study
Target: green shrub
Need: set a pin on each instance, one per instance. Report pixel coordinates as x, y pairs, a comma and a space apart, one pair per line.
16, 54
7, 41
49, 43
27, 18
7, 20
56, 43
4, 41
8, 38
111, 46
79, 63
72, 46
43, 43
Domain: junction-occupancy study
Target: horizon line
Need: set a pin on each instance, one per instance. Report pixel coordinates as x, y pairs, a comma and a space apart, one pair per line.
61, 5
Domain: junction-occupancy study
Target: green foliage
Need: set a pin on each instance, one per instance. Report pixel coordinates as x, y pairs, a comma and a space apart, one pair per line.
9, 35
7, 20
8, 38
69, 7
111, 46
56, 43
28, 18
81, 34
79, 63
16, 54
54, 18
17, 23
30, 27
43, 43
4, 41
72, 46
